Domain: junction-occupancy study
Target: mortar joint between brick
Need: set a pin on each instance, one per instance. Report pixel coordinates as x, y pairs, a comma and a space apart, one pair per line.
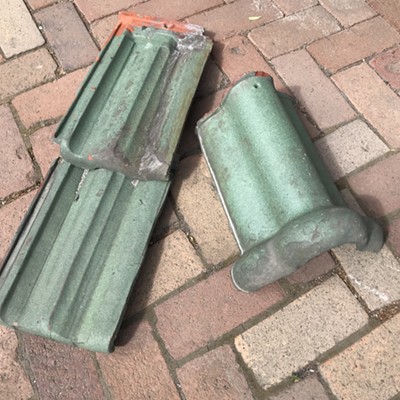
16, 195
171, 363
256, 390
341, 273
387, 312
186, 230
100, 376
88, 26
24, 361
325, 385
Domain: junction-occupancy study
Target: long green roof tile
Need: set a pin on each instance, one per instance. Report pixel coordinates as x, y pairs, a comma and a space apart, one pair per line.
72, 266
78, 253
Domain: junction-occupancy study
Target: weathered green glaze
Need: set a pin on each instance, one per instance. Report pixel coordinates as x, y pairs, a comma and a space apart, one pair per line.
70, 270
75, 259
281, 202
131, 108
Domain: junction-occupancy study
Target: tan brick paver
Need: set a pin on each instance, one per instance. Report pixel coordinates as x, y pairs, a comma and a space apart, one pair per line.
168, 265
18, 31
350, 147
290, 339
204, 312
215, 375
369, 369
374, 276
198, 201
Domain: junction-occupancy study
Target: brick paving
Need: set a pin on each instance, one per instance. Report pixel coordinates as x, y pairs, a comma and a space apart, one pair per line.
330, 330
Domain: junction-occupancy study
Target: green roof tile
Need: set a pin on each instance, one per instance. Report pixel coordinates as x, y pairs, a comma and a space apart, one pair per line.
77, 255
280, 200
131, 108
71, 268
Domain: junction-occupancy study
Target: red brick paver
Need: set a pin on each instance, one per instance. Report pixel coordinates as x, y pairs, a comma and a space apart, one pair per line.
61, 371
67, 36
11, 216
369, 94
293, 31
25, 72
185, 316
14, 384
207, 310
17, 169
358, 42
387, 65
174, 9
348, 12
36, 4
292, 6
137, 369
313, 269
237, 56
216, 375
234, 18
93, 9
310, 86
389, 9
394, 235
45, 103
44, 148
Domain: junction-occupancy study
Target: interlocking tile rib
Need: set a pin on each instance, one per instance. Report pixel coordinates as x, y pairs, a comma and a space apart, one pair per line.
78, 254
71, 268
131, 109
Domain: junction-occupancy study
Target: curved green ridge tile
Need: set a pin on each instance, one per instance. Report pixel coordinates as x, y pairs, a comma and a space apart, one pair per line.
280, 200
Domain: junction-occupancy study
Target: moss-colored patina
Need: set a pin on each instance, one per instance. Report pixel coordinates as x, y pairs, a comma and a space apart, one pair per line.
281, 202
